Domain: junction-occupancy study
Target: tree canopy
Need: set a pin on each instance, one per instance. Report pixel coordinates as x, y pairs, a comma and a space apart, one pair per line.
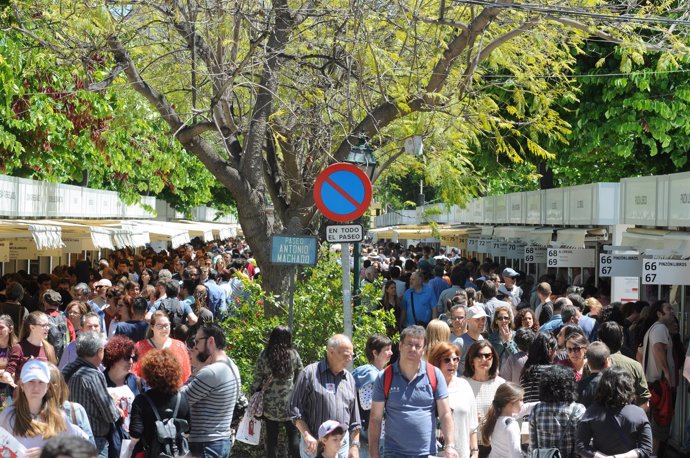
266, 94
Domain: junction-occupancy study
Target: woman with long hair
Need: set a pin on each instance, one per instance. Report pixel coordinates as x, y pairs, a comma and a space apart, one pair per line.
614, 425
436, 331
446, 357
158, 337
275, 374
501, 428
34, 340
525, 319
10, 354
163, 374
35, 416
539, 358
148, 277
481, 372
391, 301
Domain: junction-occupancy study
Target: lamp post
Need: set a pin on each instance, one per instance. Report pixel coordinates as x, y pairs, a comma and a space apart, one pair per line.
361, 155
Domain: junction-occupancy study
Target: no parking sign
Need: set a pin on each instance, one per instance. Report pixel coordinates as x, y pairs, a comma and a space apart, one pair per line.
342, 192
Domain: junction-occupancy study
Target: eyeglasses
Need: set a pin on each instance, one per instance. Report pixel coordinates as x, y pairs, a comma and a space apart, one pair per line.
99, 287
458, 318
454, 359
486, 356
134, 358
43, 325
192, 341
502, 318
74, 313
574, 349
162, 326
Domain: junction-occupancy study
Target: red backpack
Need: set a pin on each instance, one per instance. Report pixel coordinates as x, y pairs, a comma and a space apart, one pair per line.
388, 379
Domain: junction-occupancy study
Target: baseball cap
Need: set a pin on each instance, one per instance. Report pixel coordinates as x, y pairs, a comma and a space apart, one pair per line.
508, 272
103, 282
476, 311
329, 427
35, 369
52, 297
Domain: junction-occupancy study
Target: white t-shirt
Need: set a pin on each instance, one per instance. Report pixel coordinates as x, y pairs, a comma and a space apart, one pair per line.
461, 403
658, 333
505, 440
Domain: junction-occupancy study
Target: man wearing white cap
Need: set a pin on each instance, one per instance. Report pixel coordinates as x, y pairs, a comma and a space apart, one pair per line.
476, 322
511, 291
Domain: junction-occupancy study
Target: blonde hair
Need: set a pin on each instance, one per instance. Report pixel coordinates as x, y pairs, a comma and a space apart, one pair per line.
436, 331
593, 305
51, 419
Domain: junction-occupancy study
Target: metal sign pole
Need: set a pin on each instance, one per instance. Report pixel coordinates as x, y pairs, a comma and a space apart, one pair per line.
347, 292
291, 297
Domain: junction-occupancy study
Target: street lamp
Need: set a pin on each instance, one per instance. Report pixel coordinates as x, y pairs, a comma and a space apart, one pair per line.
361, 155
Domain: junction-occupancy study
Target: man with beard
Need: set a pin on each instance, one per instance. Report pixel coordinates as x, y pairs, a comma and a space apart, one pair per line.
212, 394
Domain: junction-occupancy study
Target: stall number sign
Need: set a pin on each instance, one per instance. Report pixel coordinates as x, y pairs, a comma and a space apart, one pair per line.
499, 249
665, 272
567, 257
484, 246
472, 245
515, 250
535, 255
620, 265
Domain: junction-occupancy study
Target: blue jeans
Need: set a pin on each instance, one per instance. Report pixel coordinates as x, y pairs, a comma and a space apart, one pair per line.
342, 453
215, 449
102, 446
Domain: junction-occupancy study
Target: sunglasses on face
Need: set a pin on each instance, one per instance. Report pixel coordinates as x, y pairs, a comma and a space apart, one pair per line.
574, 349
453, 359
133, 358
486, 356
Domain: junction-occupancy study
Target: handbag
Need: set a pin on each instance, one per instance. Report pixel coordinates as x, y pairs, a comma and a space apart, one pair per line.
256, 401
249, 430
662, 396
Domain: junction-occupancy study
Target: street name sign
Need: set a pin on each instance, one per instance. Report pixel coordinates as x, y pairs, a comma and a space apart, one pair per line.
293, 250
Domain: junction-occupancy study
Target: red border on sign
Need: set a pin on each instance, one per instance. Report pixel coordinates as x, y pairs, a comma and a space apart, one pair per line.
321, 179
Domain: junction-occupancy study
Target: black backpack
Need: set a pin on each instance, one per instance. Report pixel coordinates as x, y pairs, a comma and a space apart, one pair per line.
168, 442
58, 334
173, 308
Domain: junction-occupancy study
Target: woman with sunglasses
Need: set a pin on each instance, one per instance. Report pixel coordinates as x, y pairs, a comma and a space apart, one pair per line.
481, 372
446, 357
576, 346
502, 336
118, 359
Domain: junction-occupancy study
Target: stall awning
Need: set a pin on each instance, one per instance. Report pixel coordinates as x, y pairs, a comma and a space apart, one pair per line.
658, 239
511, 232
576, 237
46, 237
102, 237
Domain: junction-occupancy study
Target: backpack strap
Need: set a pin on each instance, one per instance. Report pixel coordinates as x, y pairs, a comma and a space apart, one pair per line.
387, 381
431, 374
388, 378
155, 410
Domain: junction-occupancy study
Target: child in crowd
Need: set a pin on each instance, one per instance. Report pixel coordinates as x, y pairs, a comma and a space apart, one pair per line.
501, 428
330, 439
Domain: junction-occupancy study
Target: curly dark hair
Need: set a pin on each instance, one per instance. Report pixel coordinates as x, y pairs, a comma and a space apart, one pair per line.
472, 354
616, 388
557, 384
118, 347
278, 351
162, 371
521, 315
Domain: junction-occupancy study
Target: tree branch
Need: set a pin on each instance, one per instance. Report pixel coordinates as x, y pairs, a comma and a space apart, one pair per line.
107, 81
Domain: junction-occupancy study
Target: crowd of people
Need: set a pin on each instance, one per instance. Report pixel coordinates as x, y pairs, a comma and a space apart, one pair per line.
489, 363
98, 352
